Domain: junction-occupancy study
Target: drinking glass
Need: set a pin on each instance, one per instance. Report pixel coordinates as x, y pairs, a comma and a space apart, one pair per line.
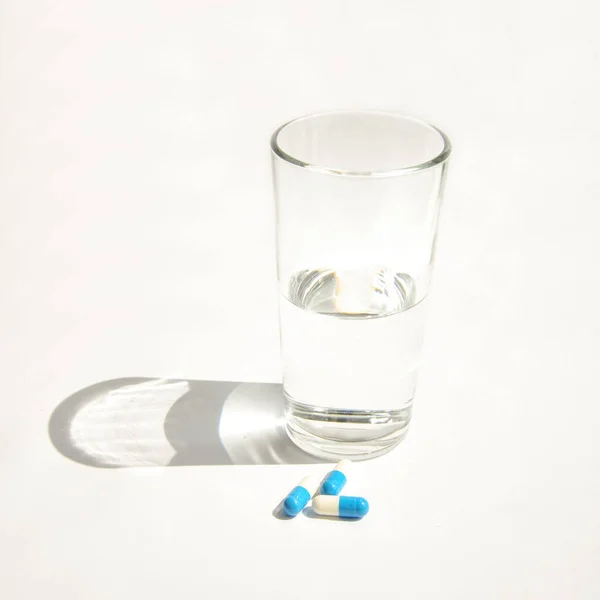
357, 198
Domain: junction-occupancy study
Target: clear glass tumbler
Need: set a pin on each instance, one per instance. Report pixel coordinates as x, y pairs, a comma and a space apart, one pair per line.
357, 199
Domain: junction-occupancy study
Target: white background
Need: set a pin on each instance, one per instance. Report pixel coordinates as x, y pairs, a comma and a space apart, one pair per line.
136, 239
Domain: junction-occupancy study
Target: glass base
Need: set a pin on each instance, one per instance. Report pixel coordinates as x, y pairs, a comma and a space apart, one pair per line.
333, 434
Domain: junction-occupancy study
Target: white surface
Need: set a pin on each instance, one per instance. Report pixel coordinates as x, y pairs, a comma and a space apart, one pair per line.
136, 240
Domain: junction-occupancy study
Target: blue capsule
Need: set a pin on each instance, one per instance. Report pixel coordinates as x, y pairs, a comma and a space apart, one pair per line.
299, 497
348, 507
336, 480
353, 507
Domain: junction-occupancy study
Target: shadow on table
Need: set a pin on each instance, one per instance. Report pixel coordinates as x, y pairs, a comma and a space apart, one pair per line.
136, 422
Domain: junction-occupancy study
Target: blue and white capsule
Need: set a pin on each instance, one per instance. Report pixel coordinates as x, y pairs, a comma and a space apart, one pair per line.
347, 507
300, 496
336, 480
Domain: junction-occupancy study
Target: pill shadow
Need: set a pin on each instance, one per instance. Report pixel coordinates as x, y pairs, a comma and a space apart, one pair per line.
139, 422
311, 514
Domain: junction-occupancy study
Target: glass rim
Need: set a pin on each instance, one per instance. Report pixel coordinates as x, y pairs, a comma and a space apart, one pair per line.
432, 162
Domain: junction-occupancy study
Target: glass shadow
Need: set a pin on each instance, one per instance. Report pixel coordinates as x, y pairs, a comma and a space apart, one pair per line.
139, 422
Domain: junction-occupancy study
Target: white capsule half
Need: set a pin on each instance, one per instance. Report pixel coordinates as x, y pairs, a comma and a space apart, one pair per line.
311, 484
327, 505
343, 466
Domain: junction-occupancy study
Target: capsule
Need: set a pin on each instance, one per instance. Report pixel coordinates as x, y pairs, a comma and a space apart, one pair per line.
299, 497
348, 507
336, 480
